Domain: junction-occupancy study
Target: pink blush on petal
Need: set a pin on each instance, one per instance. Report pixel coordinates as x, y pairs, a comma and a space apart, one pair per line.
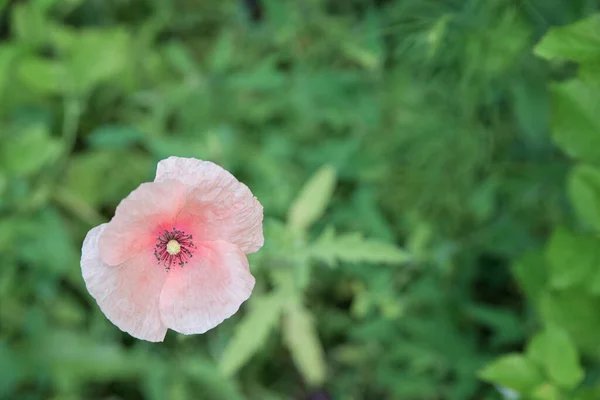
151, 205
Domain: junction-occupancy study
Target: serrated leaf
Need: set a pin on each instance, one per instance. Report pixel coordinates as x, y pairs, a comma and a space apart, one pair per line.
513, 371
313, 199
554, 351
584, 193
353, 247
572, 258
300, 336
251, 333
576, 120
578, 42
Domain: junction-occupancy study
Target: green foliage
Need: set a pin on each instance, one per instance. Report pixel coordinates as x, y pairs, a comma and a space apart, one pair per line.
575, 120
422, 219
554, 351
565, 283
28, 150
300, 335
513, 371
579, 42
312, 201
571, 258
584, 193
352, 247
252, 332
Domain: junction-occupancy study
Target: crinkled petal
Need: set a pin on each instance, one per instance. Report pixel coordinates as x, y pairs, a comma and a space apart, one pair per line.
207, 290
146, 211
218, 205
128, 294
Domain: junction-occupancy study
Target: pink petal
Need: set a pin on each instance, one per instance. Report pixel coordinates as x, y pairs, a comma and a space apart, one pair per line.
206, 291
128, 294
139, 218
218, 206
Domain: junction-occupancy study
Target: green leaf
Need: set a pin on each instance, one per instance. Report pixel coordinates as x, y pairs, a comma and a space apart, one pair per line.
584, 193
213, 382
114, 136
91, 56
576, 119
587, 394
8, 54
30, 25
43, 76
48, 234
223, 52
29, 151
85, 358
352, 247
576, 311
513, 371
300, 336
98, 56
3, 185
10, 363
589, 73
578, 42
554, 351
572, 258
166, 146
251, 333
547, 392
594, 282
531, 273
181, 58
505, 326
313, 199
92, 177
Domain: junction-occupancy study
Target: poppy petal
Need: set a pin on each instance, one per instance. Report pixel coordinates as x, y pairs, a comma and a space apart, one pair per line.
139, 219
128, 294
207, 290
218, 206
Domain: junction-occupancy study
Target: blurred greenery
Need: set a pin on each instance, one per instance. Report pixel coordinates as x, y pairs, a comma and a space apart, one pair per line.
429, 169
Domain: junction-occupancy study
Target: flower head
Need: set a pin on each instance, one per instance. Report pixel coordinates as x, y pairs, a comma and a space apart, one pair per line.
174, 254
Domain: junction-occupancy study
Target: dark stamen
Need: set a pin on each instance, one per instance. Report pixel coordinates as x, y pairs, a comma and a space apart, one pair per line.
186, 247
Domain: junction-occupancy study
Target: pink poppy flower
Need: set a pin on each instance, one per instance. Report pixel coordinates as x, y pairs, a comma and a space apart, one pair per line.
174, 255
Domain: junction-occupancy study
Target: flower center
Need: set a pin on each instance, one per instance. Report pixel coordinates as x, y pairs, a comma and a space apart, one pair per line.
173, 247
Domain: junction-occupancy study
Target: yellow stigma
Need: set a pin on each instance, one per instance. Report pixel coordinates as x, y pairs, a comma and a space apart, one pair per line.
173, 247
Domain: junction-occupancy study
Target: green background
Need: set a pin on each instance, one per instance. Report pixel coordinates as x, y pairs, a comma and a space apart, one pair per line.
428, 169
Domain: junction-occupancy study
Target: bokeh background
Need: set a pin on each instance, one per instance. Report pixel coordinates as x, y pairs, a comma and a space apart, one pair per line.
427, 175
